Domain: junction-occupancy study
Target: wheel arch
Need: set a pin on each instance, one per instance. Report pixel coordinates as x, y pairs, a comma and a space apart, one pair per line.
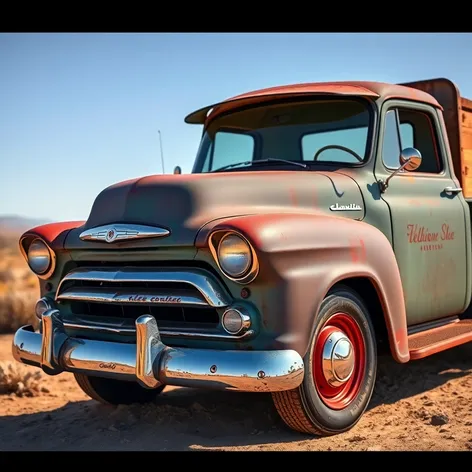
370, 294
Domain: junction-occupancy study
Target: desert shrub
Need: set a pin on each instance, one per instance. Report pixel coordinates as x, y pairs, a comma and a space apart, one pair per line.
9, 242
17, 309
19, 380
6, 276
4, 241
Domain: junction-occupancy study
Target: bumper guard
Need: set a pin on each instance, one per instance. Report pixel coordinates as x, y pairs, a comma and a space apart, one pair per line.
152, 363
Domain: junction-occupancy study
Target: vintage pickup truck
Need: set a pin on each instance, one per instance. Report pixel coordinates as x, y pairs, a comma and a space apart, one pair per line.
321, 223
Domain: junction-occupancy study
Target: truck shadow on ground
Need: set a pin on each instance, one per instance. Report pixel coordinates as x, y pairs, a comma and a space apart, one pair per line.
183, 418
401, 381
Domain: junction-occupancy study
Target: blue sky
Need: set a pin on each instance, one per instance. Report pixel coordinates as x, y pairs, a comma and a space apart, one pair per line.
79, 112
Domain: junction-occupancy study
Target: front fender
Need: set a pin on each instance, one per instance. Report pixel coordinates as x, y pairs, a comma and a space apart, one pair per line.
312, 252
54, 234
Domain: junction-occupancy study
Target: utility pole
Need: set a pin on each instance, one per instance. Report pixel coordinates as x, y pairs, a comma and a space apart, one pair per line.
162, 154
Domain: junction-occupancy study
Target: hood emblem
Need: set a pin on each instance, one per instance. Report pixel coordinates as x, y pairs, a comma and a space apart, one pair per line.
122, 232
111, 235
350, 207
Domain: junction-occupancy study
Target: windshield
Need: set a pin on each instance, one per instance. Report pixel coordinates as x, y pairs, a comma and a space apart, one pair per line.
294, 131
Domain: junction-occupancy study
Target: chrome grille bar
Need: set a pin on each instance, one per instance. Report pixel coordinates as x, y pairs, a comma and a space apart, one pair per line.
201, 280
177, 333
130, 296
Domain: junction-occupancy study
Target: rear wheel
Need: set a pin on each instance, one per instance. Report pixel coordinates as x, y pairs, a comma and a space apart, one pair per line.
116, 392
340, 369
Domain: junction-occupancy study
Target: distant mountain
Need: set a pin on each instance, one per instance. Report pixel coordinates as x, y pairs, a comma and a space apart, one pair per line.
18, 224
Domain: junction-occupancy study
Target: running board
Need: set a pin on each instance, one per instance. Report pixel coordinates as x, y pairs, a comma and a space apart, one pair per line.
425, 343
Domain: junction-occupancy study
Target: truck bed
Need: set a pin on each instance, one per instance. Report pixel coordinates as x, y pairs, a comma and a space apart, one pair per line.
458, 120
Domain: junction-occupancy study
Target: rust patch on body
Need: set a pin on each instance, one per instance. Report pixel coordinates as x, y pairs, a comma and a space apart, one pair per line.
358, 251
372, 90
53, 234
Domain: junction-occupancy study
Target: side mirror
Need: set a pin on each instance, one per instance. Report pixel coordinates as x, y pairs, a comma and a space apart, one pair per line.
410, 160
177, 170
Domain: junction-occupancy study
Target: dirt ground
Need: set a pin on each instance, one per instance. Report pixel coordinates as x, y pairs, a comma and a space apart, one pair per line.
408, 405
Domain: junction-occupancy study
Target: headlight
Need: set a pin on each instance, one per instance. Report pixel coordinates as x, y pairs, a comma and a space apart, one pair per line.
234, 255
39, 257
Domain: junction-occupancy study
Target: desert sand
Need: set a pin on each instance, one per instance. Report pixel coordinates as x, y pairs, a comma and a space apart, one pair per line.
426, 405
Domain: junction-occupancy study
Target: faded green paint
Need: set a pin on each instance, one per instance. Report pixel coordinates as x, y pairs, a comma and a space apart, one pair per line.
200, 198
435, 274
182, 253
428, 232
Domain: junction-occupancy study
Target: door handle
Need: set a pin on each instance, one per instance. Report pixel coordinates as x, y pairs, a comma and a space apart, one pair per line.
452, 190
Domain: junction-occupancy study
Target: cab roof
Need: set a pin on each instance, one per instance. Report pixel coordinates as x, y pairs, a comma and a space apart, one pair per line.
373, 90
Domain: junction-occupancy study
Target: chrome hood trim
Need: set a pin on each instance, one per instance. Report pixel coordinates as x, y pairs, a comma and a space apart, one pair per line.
119, 232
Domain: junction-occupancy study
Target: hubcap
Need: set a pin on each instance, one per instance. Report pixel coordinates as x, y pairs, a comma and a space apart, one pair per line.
338, 359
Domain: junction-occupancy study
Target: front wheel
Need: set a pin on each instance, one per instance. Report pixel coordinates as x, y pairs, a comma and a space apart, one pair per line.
340, 369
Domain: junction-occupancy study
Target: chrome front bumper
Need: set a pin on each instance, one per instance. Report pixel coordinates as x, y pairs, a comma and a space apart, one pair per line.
152, 363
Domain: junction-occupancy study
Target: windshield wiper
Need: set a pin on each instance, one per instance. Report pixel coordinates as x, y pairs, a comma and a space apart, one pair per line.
260, 161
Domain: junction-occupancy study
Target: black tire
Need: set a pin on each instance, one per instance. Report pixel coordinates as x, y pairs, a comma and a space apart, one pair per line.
304, 409
116, 392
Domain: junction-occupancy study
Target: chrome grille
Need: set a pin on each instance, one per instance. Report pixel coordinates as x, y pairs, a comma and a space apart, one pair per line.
172, 295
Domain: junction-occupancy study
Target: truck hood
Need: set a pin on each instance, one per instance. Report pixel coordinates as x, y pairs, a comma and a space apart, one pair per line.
184, 203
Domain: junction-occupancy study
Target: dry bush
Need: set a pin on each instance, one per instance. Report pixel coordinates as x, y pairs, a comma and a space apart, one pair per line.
19, 290
7, 276
5, 241
19, 380
16, 310
9, 243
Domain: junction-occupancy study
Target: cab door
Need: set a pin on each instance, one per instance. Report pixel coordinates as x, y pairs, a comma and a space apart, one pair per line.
428, 213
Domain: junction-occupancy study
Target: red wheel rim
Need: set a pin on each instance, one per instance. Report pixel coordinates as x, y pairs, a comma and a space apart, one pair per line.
338, 393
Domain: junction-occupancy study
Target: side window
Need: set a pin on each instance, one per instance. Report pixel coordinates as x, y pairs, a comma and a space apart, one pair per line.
230, 148
410, 128
391, 142
406, 135
419, 132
